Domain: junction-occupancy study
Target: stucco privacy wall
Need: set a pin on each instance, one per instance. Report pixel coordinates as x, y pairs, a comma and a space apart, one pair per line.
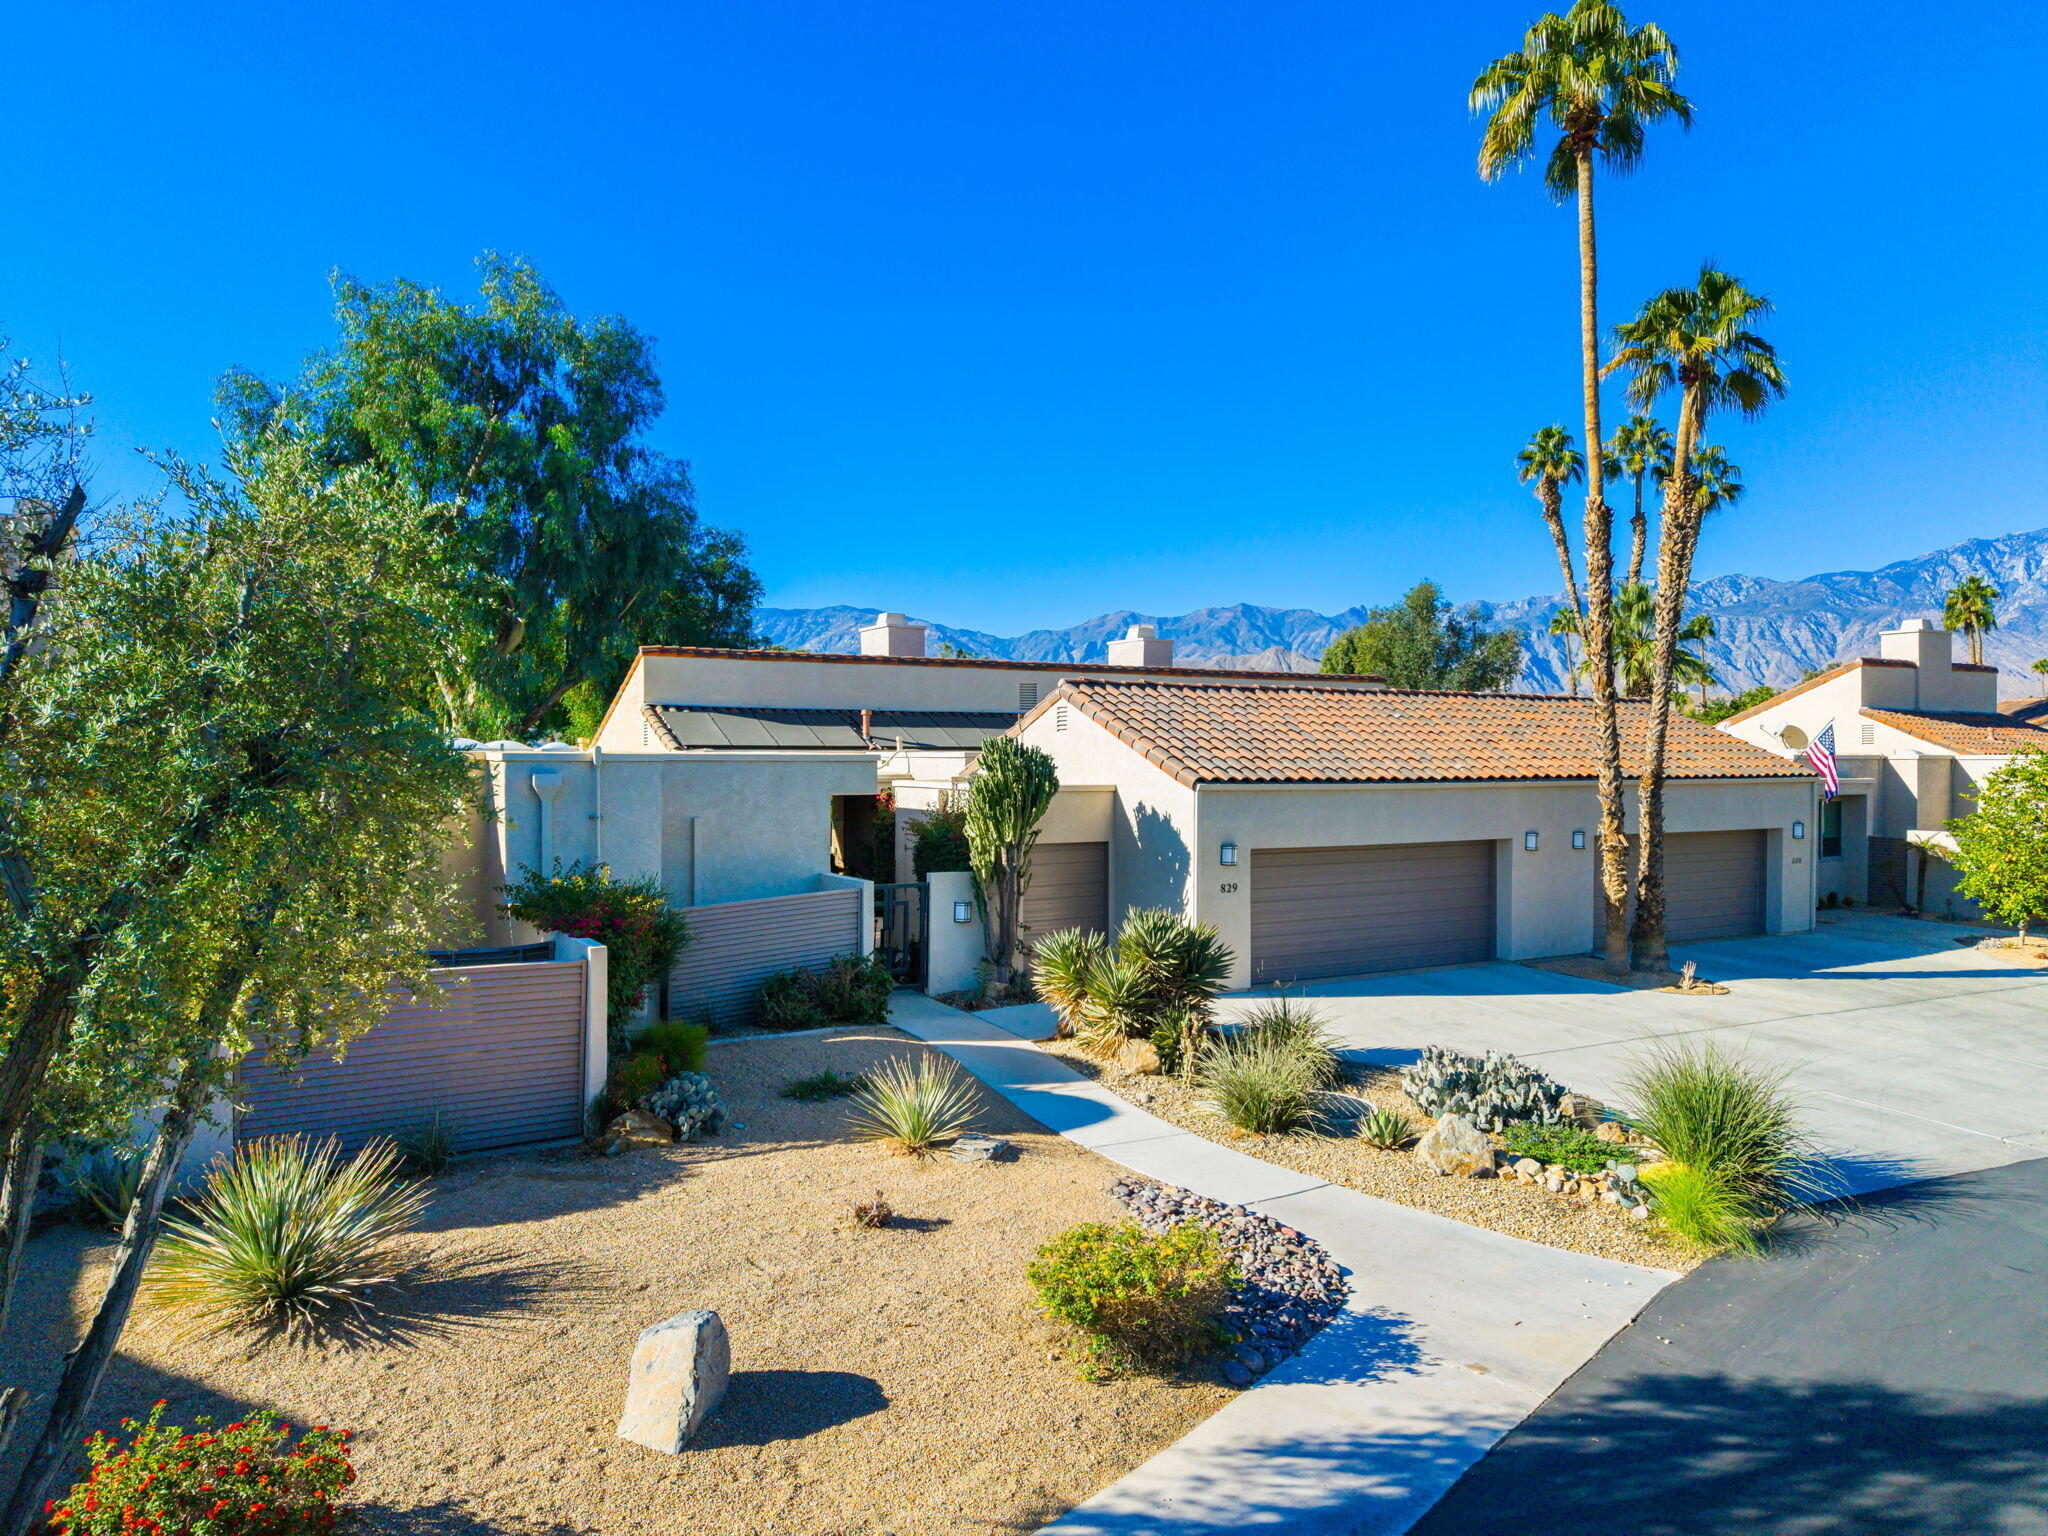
729, 826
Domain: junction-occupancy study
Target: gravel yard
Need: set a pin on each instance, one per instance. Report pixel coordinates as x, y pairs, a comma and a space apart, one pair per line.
895, 1381
1503, 1206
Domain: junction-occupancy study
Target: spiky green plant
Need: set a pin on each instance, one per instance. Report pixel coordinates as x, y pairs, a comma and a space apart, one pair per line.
914, 1107
1063, 967
1386, 1129
107, 1181
1701, 1206
1121, 1005
1183, 963
1259, 1086
429, 1147
1012, 786
286, 1235
1709, 1108
1293, 1025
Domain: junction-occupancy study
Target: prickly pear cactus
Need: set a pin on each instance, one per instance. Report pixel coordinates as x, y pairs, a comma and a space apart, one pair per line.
1493, 1091
689, 1103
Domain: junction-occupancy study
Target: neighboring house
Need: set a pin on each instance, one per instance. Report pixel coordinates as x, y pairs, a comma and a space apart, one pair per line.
1916, 731
1332, 831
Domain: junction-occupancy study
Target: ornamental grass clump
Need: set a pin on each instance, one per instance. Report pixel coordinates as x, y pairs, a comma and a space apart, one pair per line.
1296, 1027
1140, 1300
427, 1148
1701, 1206
284, 1235
912, 1108
246, 1479
1264, 1087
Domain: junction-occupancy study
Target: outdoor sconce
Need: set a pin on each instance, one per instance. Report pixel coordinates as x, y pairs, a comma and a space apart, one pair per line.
1798, 831
1529, 840
963, 911
1228, 854
1578, 842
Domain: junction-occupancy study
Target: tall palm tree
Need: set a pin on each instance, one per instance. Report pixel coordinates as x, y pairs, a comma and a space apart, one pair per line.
1597, 83
1565, 625
1553, 461
2040, 670
1699, 341
1717, 482
1635, 643
1969, 609
1640, 448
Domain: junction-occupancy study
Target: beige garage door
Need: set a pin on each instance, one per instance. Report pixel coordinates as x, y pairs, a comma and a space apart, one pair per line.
1346, 911
1069, 889
1713, 885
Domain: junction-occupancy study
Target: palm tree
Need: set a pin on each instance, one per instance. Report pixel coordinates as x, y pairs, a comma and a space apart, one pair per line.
2040, 668
1969, 609
1598, 83
1699, 341
1553, 461
1565, 624
1640, 448
1635, 644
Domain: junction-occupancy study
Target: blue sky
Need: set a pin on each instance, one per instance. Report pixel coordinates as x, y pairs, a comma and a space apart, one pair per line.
1008, 315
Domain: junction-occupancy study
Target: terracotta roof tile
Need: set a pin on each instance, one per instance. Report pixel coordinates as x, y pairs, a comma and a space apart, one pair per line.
1219, 733
1814, 682
1972, 733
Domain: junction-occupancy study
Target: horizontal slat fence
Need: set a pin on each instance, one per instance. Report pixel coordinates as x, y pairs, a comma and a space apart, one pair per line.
736, 945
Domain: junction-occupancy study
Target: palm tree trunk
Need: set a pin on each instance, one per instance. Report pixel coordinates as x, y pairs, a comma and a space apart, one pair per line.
1598, 638
1553, 515
1639, 528
1674, 574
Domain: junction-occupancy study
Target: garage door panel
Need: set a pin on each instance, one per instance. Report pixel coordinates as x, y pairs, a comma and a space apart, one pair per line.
1713, 885
1069, 889
1350, 911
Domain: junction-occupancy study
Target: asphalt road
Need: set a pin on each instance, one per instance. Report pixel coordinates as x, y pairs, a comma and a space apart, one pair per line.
1883, 1373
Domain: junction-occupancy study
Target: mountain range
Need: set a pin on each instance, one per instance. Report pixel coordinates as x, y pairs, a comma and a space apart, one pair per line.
1766, 631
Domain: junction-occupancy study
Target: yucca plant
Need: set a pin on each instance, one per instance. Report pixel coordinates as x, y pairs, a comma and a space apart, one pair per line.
429, 1147
107, 1181
1183, 963
1387, 1129
1121, 1005
1257, 1085
286, 1235
1063, 967
1711, 1109
1295, 1026
914, 1107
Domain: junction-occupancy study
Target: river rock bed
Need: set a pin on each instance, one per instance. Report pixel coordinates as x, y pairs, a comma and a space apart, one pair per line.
1290, 1289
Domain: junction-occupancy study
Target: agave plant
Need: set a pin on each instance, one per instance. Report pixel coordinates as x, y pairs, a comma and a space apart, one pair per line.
1063, 967
1386, 1129
913, 1108
286, 1235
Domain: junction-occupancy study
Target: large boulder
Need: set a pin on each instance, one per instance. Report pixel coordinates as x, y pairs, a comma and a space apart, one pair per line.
680, 1369
1454, 1145
635, 1128
1140, 1058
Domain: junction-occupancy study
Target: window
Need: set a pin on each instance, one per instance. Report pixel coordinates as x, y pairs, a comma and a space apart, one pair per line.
1831, 830
1027, 696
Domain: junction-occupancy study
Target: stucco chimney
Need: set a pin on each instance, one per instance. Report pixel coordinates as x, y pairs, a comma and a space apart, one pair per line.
892, 635
1919, 641
1141, 647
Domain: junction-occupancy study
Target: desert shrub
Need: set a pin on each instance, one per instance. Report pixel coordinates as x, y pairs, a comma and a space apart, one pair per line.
1493, 1091
1295, 1026
1567, 1145
820, 1086
788, 1000
640, 931
427, 1148
850, 989
1701, 1206
1140, 1299
681, 1046
631, 1079
938, 839
247, 1479
688, 1102
1063, 966
1260, 1086
284, 1234
912, 1108
105, 1182
873, 1213
1386, 1129
1709, 1108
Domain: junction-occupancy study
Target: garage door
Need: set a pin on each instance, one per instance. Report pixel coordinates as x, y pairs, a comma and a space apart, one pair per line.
1069, 889
1713, 885
1346, 911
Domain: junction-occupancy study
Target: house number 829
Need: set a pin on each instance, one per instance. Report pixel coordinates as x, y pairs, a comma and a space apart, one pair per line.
1229, 887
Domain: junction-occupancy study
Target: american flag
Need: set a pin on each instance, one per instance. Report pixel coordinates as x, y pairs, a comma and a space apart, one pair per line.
1820, 756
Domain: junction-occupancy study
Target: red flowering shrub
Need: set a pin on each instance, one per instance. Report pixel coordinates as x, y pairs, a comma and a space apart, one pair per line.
631, 918
247, 1479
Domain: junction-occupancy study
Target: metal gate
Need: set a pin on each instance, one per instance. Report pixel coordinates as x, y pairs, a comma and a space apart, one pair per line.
903, 929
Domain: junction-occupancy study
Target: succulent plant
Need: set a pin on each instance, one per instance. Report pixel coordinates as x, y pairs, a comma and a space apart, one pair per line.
689, 1103
1493, 1091
1386, 1129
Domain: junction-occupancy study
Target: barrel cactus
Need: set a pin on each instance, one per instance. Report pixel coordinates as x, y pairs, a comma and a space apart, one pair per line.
1493, 1091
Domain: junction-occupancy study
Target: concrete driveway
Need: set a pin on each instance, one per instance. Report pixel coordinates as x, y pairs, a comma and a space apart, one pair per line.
1917, 1057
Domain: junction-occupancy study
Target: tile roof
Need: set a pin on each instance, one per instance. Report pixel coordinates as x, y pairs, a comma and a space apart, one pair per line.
1984, 733
1814, 682
1219, 733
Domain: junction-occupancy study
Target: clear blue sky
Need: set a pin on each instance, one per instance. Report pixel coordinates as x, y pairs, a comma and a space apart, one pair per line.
1008, 315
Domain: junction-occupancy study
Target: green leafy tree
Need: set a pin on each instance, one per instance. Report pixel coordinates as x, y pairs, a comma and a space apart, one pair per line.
1596, 83
2001, 854
229, 808
1970, 609
1422, 642
1553, 461
1009, 794
1640, 449
1722, 709
580, 543
1701, 342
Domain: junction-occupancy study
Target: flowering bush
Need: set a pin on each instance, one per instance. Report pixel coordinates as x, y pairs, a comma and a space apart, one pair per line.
247, 1479
631, 918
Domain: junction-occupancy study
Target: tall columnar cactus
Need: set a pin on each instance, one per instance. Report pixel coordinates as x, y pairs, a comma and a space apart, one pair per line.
1011, 790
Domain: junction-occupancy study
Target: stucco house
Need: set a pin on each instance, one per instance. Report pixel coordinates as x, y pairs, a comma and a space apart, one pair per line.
1332, 831
1916, 731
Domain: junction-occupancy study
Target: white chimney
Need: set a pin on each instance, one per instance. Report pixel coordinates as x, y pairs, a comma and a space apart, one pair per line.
1919, 641
1141, 647
892, 635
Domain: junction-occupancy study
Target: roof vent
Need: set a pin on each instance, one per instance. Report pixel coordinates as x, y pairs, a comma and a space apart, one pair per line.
1141, 647
892, 635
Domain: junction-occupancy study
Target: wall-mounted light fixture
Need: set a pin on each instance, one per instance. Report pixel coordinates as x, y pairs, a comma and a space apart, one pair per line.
1798, 831
1228, 853
963, 911
1578, 841
1529, 840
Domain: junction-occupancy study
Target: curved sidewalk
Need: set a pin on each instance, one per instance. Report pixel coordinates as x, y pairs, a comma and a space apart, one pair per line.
1452, 1334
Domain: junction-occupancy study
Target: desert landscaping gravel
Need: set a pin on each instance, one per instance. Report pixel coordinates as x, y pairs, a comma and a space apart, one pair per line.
895, 1381
1500, 1205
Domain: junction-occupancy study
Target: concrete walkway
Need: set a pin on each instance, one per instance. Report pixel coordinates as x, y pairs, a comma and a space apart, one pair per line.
1451, 1337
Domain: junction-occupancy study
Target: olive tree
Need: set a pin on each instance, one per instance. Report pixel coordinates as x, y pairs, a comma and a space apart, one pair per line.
1011, 789
2001, 854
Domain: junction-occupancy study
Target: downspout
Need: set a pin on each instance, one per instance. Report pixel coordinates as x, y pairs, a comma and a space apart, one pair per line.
597, 802
545, 787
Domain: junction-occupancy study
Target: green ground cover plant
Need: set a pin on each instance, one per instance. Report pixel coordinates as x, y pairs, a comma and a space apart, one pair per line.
820, 1086
1569, 1146
1140, 1300
849, 989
